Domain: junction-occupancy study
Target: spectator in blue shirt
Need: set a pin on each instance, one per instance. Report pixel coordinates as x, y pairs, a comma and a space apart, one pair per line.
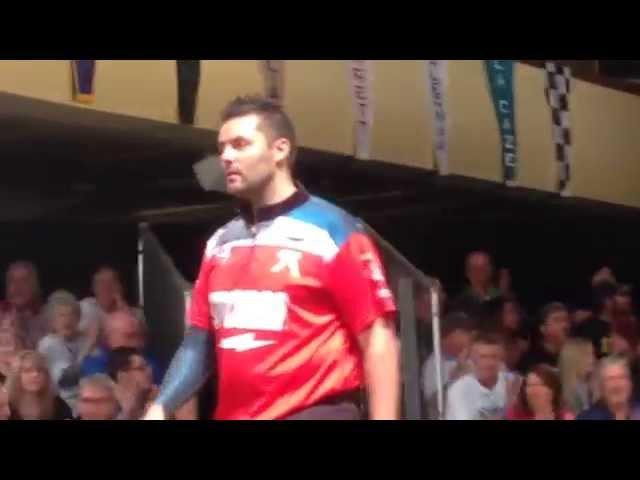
121, 329
615, 389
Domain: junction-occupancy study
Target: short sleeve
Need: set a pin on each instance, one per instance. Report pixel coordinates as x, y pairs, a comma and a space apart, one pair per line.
198, 312
358, 284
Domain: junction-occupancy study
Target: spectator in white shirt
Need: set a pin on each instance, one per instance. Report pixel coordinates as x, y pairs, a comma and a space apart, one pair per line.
486, 392
109, 298
66, 347
457, 333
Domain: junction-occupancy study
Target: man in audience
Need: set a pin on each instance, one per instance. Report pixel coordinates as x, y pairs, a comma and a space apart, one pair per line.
553, 333
615, 386
597, 328
97, 399
486, 392
121, 329
135, 389
21, 314
109, 297
479, 271
456, 332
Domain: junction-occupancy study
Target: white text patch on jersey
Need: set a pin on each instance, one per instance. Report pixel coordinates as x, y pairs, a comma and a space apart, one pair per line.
249, 309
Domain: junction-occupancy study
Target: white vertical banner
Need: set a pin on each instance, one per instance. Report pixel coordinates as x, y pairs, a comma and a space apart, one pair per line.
361, 76
437, 78
273, 74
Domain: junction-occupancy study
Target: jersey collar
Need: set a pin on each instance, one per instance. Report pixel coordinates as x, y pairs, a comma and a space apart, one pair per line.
270, 212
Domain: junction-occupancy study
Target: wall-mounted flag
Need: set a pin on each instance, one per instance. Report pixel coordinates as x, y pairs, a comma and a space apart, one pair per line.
437, 78
500, 76
361, 76
273, 74
188, 84
558, 87
83, 75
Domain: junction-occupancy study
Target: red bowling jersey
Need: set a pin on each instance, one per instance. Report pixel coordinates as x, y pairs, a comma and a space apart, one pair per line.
286, 299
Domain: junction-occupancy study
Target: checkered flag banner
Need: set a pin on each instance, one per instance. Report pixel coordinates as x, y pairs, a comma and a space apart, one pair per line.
558, 87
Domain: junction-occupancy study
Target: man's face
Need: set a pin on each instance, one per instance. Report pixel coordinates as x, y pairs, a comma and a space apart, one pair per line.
65, 321
623, 304
248, 159
460, 340
616, 385
106, 287
122, 329
20, 287
96, 403
479, 269
556, 327
487, 360
139, 372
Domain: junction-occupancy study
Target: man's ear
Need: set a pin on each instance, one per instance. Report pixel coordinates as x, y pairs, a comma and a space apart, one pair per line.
282, 149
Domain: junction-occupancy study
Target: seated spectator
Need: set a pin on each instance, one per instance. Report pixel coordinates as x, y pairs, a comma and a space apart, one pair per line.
109, 297
66, 347
31, 392
456, 332
5, 411
21, 313
577, 363
553, 333
486, 392
135, 389
97, 398
541, 397
511, 323
615, 387
121, 329
479, 271
623, 305
597, 328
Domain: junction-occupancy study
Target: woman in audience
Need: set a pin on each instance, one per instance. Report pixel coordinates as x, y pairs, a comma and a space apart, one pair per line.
615, 387
66, 347
577, 363
31, 392
540, 397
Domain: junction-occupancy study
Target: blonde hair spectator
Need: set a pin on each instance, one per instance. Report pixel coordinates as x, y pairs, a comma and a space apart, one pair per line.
577, 363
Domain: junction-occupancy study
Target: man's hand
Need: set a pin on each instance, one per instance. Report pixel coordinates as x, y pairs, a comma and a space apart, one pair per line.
155, 412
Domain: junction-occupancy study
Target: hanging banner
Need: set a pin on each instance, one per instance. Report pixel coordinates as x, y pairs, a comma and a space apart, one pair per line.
558, 87
361, 75
273, 73
500, 76
83, 75
188, 85
437, 77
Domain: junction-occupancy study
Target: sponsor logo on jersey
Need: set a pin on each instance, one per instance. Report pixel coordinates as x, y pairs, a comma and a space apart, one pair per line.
249, 309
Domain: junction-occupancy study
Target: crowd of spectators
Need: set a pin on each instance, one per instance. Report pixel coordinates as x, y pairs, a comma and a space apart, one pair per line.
559, 363
62, 358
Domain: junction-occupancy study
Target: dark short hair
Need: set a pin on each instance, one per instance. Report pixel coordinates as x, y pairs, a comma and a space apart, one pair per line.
603, 291
489, 338
624, 291
456, 321
551, 308
120, 359
274, 122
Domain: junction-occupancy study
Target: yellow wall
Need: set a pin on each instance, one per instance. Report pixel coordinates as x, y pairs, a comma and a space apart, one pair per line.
605, 152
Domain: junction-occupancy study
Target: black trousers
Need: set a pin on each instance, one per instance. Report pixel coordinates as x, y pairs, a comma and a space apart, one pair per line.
342, 407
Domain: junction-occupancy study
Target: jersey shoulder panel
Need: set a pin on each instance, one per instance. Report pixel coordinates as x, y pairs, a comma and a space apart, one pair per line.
328, 217
235, 229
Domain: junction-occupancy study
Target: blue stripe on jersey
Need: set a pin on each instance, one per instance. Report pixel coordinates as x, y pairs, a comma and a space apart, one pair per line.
327, 216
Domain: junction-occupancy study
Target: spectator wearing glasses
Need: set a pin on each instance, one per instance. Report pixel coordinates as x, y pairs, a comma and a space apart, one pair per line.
97, 398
